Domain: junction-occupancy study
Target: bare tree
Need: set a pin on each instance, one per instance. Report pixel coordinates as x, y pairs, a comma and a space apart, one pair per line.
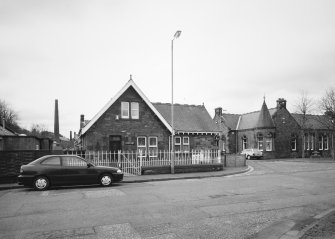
304, 107
327, 105
8, 114
39, 130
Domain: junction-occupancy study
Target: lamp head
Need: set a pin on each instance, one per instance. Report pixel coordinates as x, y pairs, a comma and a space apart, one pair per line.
177, 34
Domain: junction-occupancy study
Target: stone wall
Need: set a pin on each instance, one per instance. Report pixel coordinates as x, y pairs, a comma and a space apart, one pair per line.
11, 161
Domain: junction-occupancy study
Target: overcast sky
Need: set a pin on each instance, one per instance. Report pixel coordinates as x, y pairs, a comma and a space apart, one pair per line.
230, 54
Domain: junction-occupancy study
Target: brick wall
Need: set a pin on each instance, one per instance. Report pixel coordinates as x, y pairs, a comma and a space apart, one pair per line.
235, 160
11, 161
148, 124
285, 127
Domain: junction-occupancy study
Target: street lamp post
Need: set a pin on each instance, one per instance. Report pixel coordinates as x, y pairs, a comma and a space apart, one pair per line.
176, 35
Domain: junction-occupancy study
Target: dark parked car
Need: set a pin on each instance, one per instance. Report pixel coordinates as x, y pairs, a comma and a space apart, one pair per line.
55, 170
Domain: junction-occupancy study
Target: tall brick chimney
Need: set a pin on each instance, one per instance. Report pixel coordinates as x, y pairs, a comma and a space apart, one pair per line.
56, 122
82, 121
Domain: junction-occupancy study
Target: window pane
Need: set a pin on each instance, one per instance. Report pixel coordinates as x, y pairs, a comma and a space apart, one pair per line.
125, 110
134, 110
269, 144
177, 141
52, 161
186, 140
141, 142
152, 141
73, 161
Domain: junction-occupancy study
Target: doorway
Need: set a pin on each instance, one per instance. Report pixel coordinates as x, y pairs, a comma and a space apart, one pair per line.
115, 143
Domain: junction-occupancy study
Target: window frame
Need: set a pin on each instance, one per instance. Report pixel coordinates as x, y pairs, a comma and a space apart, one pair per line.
244, 142
49, 158
125, 108
326, 142
260, 142
186, 145
153, 149
177, 146
269, 139
320, 142
294, 142
134, 110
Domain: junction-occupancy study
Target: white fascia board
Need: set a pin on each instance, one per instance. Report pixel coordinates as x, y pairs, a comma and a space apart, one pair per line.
112, 101
238, 123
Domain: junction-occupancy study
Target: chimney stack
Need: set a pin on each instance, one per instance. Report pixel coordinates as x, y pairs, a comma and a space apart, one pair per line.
70, 135
56, 122
281, 103
82, 121
3, 123
218, 111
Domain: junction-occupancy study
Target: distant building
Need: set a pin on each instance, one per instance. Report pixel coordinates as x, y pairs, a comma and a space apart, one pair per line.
275, 131
129, 121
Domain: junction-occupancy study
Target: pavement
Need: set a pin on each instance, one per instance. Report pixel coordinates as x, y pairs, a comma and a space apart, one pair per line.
318, 226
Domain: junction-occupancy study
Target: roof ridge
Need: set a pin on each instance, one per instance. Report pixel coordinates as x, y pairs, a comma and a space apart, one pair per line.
177, 104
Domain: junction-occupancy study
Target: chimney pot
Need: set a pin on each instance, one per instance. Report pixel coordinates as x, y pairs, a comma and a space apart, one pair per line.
82, 121
281, 103
218, 111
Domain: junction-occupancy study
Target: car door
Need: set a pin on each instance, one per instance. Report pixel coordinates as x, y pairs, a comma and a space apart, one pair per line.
76, 171
51, 167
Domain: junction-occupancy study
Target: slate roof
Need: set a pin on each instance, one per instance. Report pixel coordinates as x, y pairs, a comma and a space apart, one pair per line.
256, 119
313, 121
6, 131
188, 118
231, 120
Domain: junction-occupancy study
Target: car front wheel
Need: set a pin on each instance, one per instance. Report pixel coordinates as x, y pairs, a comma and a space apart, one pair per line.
106, 180
41, 183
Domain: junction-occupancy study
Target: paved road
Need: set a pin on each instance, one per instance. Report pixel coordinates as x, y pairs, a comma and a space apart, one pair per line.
266, 202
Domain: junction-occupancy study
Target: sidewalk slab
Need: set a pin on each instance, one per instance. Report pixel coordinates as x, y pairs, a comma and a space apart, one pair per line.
164, 177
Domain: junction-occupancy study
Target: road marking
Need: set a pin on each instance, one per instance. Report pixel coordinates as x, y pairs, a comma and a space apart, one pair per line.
104, 193
116, 231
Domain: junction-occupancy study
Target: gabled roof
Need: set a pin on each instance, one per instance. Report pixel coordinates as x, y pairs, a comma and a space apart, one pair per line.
6, 131
188, 118
313, 121
252, 120
231, 120
130, 83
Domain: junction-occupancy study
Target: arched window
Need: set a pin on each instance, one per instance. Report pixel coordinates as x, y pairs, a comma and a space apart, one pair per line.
260, 141
244, 142
269, 142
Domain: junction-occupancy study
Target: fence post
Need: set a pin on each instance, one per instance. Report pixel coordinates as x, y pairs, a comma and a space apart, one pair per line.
119, 158
140, 163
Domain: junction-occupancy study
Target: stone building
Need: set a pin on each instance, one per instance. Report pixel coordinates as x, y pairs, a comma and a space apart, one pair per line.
275, 131
130, 122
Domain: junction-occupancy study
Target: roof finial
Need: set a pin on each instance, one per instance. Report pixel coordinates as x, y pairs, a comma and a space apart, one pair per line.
264, 97
131, 77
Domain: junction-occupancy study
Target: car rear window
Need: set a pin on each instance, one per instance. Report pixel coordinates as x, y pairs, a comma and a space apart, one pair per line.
55, 161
